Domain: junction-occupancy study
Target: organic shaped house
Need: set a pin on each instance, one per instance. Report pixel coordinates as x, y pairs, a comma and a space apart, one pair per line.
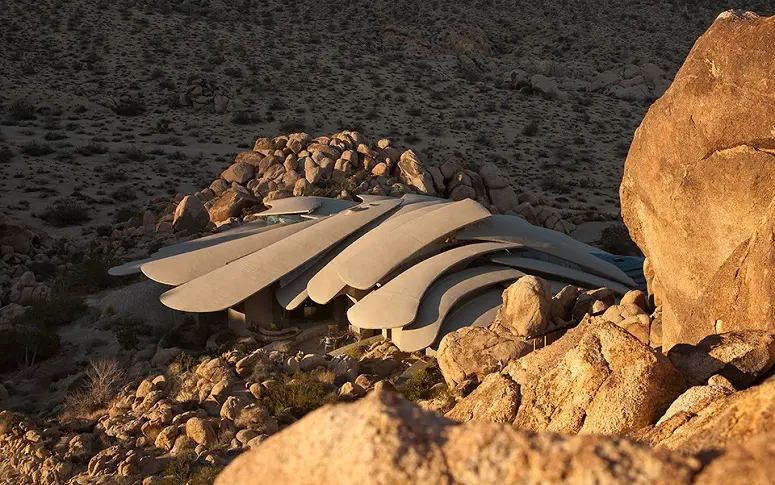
415, 268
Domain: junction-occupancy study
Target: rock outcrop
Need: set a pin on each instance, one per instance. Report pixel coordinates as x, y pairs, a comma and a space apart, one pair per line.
699, 181
741, 357
596, 379
723, 422
384, 439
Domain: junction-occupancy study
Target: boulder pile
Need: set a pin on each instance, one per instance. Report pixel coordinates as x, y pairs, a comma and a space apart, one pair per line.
30, 261
347, 164
202, 94
645, 82
188, 415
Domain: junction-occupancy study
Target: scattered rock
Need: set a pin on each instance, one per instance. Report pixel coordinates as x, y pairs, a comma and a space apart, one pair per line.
476, 352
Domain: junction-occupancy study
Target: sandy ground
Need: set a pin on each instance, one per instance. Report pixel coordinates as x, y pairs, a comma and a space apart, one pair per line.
426, 74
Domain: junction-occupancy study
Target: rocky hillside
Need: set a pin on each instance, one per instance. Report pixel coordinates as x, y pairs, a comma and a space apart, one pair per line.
550, 94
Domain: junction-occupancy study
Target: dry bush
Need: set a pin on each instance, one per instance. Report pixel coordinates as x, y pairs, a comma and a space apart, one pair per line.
104, 378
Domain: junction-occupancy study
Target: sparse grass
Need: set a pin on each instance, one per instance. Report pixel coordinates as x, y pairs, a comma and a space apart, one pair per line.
66, 212
301, 394
104, 379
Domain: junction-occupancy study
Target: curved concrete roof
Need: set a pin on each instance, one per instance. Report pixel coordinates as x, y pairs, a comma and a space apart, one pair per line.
373, 198
229, 285
327, 284
320, 206
373, 261
177, 270
479, 311
504, 228
558, 272
396, 303
440, 299
294, 290
245, 230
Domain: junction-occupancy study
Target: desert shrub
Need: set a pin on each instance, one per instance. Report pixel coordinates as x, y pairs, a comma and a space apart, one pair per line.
129, 107
9, 419
124, 193
292, 125
91, 274
6, 154
103, 380
300, 394
125, 213
36, 149
182, 470
357, 351
420, 385
54, 136
243, 117
553, 183
616, 240
66, 212
24, 343
112, 175
60, 309
530, 129
189, 334
136, 154
92, 149
129, 329
22, 110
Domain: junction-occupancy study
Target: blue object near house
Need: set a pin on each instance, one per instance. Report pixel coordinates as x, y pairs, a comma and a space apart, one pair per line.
631, 265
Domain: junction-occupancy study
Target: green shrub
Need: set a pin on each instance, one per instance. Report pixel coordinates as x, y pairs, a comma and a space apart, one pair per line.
129, 329
301, 394
418, 387
66, 212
